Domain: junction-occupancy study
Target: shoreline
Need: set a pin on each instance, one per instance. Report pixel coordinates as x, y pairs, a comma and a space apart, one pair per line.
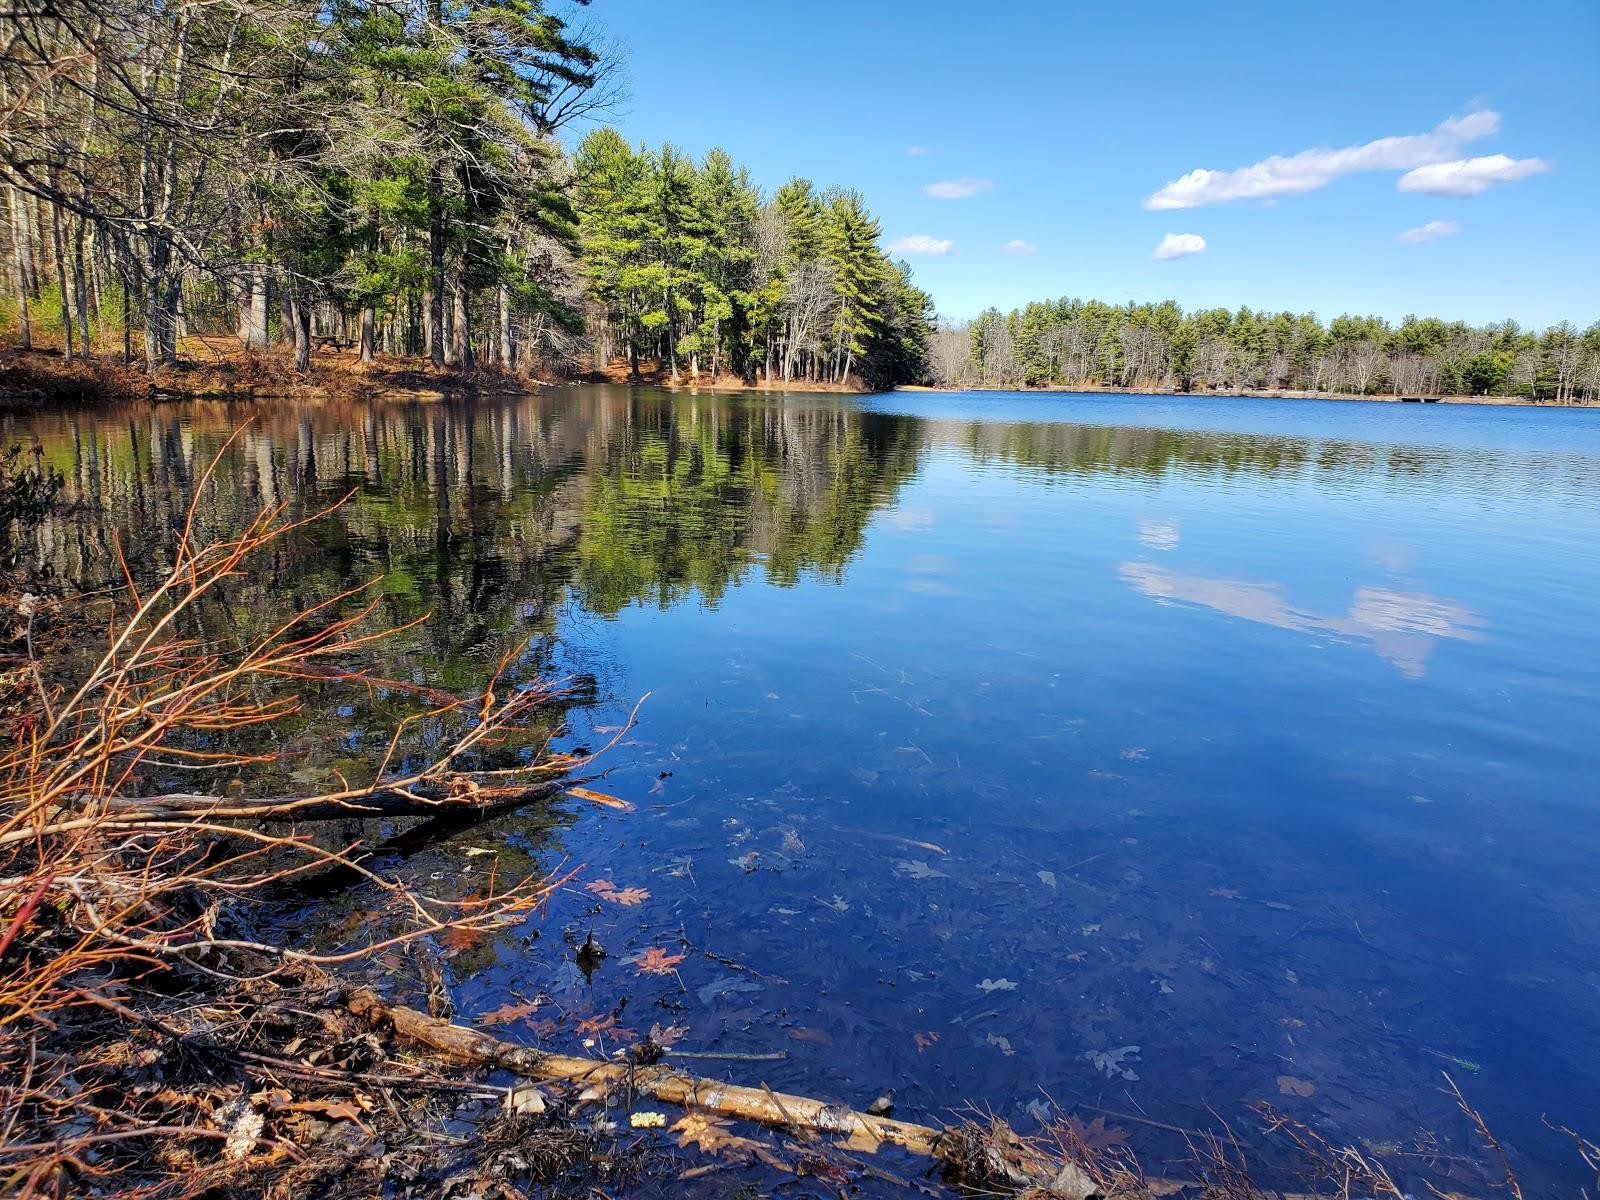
1237, 394
40, 375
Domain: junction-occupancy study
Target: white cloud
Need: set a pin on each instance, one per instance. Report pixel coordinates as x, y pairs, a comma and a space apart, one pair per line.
916, 151
1018, 246
1469, 176
1426, 233
920, 243
1176, 245
958, 189
1284, 175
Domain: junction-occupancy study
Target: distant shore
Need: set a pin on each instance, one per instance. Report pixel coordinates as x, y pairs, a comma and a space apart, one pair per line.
1262, 394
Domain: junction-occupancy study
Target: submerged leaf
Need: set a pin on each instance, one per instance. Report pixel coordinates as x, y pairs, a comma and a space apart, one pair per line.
712, 1134
608, 892
666, 1036
656, 961
459, 941
508, 1013
1000, 1043
1112, 1061
1096, 1135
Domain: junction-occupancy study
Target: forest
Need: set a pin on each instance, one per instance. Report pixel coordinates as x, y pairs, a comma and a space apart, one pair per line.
1161, 347
389, 177
407, 179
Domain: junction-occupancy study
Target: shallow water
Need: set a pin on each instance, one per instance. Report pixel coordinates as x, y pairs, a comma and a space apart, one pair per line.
1143, 752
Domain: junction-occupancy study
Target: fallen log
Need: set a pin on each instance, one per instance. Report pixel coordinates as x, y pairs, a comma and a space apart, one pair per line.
422, 801
761, 1105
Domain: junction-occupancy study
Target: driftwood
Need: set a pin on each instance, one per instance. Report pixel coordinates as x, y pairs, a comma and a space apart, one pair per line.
419, 801
761, 1105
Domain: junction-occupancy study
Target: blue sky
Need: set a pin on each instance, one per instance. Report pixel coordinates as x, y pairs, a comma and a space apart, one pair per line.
1066, 121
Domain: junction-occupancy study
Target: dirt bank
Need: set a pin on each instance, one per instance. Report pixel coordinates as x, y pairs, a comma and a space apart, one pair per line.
42, 375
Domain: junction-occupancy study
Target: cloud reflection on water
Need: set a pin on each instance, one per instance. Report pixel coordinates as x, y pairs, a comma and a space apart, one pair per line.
1402, 627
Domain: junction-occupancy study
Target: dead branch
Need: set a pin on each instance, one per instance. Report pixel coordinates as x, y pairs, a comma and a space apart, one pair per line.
670, 1087
421, 801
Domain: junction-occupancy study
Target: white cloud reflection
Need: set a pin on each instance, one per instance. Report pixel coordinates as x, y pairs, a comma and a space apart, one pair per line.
1158, 534
1402, 627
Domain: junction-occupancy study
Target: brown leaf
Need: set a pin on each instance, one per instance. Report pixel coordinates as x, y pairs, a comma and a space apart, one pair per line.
924, 1039
458, 941
821, 1168
608, 892
333, 1110
820, 1036
656, 961
606, 1023
1290, 1085
712, 1135
602, 798
1096, 1135
667, 1036
1160, 1186
508, 1013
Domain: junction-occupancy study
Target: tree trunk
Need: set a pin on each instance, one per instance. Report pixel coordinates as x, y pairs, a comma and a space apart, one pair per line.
672, 335
160, 309
367, 316
80, 286
61, 279
253, 311
460, 352
302, 333
20, 254
504, 352
285, 314
435, 336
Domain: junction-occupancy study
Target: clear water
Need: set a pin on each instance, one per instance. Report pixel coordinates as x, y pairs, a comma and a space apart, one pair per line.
1138, 751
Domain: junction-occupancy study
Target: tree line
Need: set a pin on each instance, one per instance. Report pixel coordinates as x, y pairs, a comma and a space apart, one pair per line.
692, 267
1160, 346
386, 174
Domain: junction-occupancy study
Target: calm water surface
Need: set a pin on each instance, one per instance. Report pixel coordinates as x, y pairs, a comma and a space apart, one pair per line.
1141, 752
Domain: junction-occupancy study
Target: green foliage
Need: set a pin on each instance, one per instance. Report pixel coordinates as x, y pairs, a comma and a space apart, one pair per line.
692, 267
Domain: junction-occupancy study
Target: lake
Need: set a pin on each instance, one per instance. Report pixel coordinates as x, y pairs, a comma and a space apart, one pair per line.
1150, 754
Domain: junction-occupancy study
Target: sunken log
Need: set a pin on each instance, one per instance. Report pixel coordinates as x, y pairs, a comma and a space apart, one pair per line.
418, 801
761, 1105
